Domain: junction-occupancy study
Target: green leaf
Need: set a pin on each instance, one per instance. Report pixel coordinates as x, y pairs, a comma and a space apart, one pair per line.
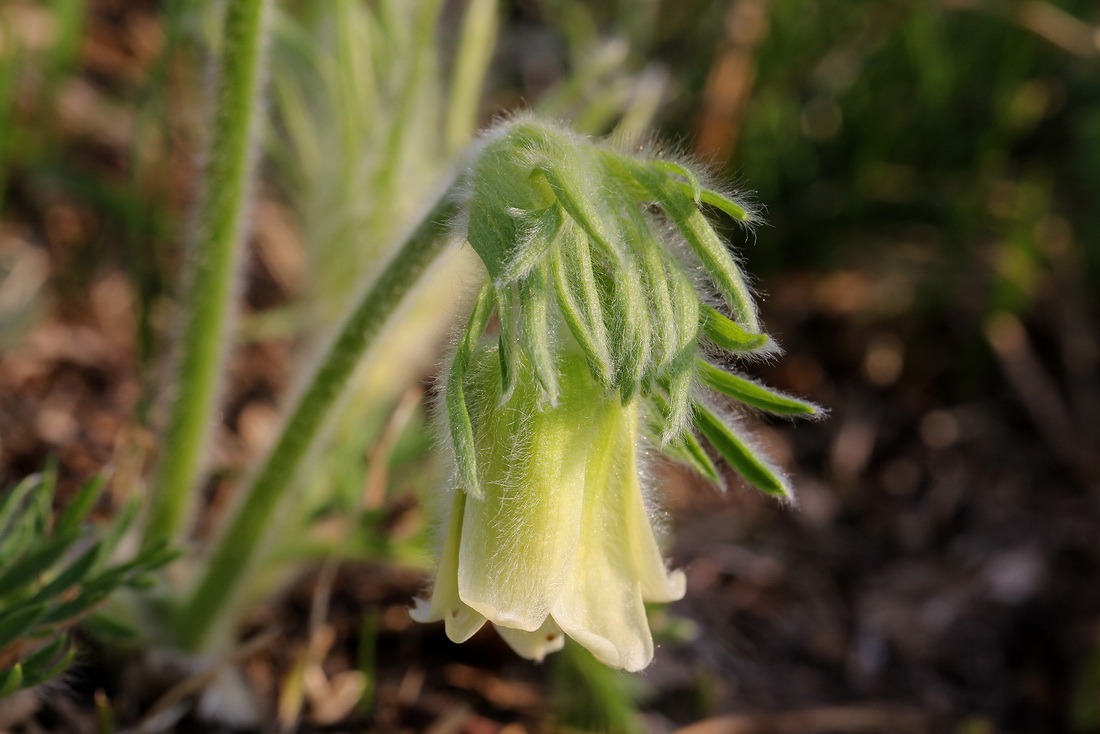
28, 569
108, 629
22, 537
77, 509
11, 680
756, 470
156, 555
74, 573
11, 502
19, 622
39, 508
120, 523
90, 595
752, 393
43, 656
45, 664
142, 582
730, 335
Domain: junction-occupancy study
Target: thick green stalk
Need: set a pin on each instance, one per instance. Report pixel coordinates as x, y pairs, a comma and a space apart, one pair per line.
241, 539
219, 233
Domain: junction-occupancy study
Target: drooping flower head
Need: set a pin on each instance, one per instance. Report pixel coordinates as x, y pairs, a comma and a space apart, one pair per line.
610, 287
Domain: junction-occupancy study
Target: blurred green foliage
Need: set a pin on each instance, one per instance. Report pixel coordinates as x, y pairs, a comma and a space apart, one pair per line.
57, 570
590, 697
876, 124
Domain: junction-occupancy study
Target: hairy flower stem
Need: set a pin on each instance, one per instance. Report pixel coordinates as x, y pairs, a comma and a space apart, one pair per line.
224, 573
218, 234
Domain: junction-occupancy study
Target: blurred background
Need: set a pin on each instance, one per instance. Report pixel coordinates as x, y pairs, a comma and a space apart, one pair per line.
930, 176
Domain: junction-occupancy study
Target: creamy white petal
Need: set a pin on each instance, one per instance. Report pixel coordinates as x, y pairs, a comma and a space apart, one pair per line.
658, 584
664, 585
534, 645
601, 605
460, 620
518, 541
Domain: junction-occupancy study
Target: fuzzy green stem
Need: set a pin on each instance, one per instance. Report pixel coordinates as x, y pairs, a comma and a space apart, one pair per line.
241, 539
219, 232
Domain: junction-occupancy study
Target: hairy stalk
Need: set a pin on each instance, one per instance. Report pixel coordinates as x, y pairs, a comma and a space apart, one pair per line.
240, 540
219, 231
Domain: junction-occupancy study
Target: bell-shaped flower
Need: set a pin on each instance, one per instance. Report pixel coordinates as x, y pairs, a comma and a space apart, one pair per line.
560, 539
616, 303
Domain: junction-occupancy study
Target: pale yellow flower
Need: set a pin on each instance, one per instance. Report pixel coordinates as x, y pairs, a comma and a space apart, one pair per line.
601, 321
561, 540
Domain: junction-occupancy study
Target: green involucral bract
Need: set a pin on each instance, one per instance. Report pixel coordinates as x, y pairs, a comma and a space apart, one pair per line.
560, 540
613, 295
